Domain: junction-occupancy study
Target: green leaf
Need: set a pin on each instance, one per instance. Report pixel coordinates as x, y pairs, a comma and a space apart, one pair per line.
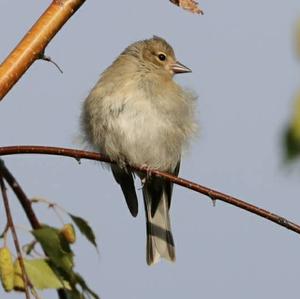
74, 294
292, 133
55, 247
291, 145
42, 276
75, 279
85, 287
84, 228
60, 263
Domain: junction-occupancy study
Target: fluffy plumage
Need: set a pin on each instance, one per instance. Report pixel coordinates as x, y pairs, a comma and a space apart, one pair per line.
137, 114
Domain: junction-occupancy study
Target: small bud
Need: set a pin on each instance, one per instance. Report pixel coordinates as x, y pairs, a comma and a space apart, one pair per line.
68, 232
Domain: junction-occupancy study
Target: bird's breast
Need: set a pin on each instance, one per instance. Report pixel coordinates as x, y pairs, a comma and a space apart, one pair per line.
149, 129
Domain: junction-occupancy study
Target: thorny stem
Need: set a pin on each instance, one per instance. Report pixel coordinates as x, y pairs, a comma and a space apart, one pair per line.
14, 235
49, 59
215, 195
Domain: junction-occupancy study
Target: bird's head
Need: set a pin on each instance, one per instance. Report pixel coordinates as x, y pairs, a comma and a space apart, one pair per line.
156, 55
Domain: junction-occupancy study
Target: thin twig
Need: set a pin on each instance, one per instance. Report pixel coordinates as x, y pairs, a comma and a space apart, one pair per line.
213, 194
49, 59
4, 233
51, 205
15, 237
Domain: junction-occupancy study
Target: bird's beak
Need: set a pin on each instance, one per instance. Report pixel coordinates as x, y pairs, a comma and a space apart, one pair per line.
179, 68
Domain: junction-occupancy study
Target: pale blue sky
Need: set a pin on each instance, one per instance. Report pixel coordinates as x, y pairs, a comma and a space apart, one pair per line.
245, 73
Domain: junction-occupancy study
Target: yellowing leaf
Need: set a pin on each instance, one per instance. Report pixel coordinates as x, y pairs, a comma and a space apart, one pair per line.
295, 124
42, 276
6, 269
19, 284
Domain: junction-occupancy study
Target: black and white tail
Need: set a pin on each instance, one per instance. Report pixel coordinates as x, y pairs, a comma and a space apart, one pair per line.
160, 242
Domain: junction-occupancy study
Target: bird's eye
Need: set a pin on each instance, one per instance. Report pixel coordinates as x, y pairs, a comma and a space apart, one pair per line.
162, 57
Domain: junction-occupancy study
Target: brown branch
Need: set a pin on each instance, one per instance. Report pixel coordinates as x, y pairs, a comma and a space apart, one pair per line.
23, 199
14, 235
213, 194
34, 42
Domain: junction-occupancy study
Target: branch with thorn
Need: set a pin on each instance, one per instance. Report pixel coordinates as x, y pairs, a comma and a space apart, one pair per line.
42, 56
212, 194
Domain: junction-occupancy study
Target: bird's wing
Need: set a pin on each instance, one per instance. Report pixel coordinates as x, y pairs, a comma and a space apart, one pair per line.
169, 187
124, 178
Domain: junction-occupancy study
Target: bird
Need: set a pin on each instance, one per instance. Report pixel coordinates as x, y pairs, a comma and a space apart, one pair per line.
137, 115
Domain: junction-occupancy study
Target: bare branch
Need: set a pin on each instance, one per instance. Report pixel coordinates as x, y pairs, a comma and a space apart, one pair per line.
213, 194
35, 41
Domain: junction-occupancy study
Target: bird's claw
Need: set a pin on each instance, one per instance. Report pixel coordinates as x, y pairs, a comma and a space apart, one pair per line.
148, 171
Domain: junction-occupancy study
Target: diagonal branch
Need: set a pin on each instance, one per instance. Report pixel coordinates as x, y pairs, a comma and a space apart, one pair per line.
33, 44
22, 197
213, 194
35, 41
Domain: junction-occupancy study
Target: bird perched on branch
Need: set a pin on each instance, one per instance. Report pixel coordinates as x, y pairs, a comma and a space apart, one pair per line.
138, 115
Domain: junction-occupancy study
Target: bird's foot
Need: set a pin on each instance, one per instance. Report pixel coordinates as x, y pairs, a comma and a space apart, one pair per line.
148, 172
